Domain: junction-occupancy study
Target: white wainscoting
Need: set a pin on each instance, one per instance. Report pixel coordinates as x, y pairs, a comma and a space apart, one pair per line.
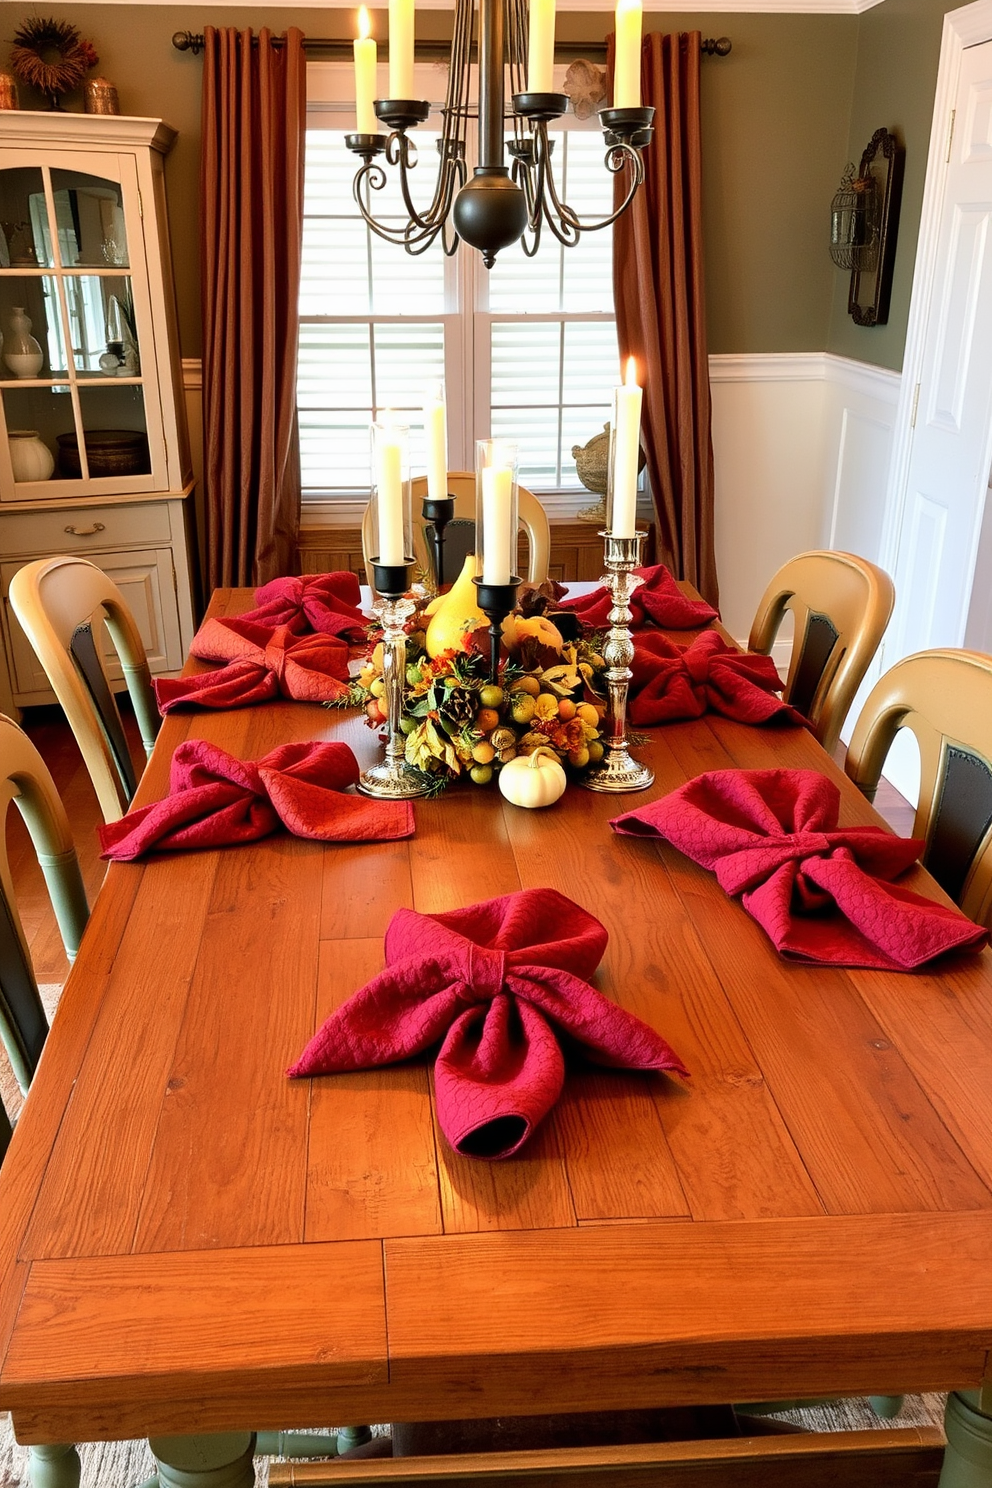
801, 447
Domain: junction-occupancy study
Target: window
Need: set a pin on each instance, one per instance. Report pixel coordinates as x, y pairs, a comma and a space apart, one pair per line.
527, 350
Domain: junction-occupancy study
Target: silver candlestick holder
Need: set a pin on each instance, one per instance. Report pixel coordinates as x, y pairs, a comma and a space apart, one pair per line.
619, 771
393, 779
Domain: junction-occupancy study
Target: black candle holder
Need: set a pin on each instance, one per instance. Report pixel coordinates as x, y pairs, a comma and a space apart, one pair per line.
496, 601
366, 145
391, 580
627, 126
537, 106
439, 513
401, 113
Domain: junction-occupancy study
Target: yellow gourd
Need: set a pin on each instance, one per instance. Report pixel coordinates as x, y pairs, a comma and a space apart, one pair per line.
533, 779
456, 615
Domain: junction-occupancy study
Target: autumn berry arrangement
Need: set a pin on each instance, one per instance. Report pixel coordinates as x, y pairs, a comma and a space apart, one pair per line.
545, 710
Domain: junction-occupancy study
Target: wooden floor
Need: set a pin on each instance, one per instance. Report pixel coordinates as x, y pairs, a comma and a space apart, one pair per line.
51, 734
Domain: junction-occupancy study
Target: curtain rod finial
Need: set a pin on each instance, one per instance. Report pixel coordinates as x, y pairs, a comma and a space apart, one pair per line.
187, 41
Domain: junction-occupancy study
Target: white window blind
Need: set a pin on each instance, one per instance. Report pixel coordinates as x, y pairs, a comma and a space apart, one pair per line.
527, 350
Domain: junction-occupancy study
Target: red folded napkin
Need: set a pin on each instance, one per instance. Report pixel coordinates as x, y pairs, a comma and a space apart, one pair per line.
215, 799
500, 983
327, 603
671, 681
658, 599
822, 894
262, 664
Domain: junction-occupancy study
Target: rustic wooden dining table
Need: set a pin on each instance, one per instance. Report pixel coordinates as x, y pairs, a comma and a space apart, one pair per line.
193, 1246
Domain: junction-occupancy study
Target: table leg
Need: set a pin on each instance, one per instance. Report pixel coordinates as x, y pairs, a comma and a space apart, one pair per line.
55, 1466
222, 1461
968, 1458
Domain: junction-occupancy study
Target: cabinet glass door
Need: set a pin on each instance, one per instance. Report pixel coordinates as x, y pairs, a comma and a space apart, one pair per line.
72, 314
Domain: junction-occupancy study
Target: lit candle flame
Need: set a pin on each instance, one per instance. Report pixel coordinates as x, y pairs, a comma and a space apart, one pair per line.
630, 380
364, 23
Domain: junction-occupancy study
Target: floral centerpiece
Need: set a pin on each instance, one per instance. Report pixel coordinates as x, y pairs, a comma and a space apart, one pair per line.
548, 696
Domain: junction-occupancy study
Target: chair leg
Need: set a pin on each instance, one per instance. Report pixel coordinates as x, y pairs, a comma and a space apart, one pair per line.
968, 1456
886, 1407
55, 1466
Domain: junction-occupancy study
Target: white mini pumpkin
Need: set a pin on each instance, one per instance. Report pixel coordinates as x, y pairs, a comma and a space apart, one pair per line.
536, 779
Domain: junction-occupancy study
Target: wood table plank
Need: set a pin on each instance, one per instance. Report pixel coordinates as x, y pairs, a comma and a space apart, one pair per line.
652, 1314
372, 1165
213, 1322
733, 1153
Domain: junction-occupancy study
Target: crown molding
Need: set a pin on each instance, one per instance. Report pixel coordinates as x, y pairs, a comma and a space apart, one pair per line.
672, 7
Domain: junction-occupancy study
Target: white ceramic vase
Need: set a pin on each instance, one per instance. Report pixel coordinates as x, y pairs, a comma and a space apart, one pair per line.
22, 352
30, 457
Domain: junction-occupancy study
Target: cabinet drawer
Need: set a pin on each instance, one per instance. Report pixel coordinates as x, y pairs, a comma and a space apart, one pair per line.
147, 581
39, 534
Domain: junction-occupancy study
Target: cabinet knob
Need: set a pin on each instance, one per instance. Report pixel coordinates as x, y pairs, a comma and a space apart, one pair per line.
86, 531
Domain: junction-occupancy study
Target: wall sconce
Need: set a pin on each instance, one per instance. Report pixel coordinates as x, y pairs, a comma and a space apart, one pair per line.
864, 216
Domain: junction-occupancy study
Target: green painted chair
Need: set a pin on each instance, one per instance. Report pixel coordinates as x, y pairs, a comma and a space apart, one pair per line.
63, 605
24, 779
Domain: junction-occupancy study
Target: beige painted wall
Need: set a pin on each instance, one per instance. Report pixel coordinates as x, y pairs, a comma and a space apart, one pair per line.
775, 122
894, 84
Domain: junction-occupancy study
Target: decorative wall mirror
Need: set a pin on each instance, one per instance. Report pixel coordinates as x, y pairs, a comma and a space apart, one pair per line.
871, 276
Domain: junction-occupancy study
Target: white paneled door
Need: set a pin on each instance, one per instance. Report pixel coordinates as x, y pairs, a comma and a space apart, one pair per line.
951, 450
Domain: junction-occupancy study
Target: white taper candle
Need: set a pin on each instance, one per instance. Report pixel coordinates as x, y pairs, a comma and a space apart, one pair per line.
626, 452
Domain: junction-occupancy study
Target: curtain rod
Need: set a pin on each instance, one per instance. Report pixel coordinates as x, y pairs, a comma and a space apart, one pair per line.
439, 51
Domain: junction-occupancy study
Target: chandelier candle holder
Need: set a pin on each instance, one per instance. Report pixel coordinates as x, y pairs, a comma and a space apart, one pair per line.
496, 518
392, 531
439, 506
501, 204
619, 770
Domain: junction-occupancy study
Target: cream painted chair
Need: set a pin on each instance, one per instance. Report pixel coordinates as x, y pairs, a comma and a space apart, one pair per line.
841, 605
461, 485
945, 699
24, 779
61, 604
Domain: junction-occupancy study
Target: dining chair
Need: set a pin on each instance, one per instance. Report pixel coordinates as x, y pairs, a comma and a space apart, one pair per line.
25, 780
945, 699
461, 485
62, 605
841, 605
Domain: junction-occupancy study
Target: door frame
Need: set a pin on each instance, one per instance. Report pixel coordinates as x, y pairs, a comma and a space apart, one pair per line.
967, 27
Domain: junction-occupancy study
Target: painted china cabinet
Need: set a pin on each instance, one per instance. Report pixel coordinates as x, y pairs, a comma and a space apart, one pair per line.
94, 457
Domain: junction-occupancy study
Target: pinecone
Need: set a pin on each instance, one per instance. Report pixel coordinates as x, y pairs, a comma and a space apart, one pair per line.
456, 706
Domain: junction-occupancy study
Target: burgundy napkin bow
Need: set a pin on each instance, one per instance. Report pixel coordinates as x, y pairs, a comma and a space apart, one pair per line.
261, 664
658, 599
327, 603
494, 982
215, 799
821, 894
670, 681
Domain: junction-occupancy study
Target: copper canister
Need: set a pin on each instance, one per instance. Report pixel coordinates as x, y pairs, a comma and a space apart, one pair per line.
8, 91
101, 96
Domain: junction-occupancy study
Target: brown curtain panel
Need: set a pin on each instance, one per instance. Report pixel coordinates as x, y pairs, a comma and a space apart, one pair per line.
661, 309
251, 189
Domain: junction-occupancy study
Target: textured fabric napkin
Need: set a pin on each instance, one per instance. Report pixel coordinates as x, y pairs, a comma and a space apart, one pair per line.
327, 603
822, 894
501, 983
215, 800
671, 681
659, 600
261, 664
